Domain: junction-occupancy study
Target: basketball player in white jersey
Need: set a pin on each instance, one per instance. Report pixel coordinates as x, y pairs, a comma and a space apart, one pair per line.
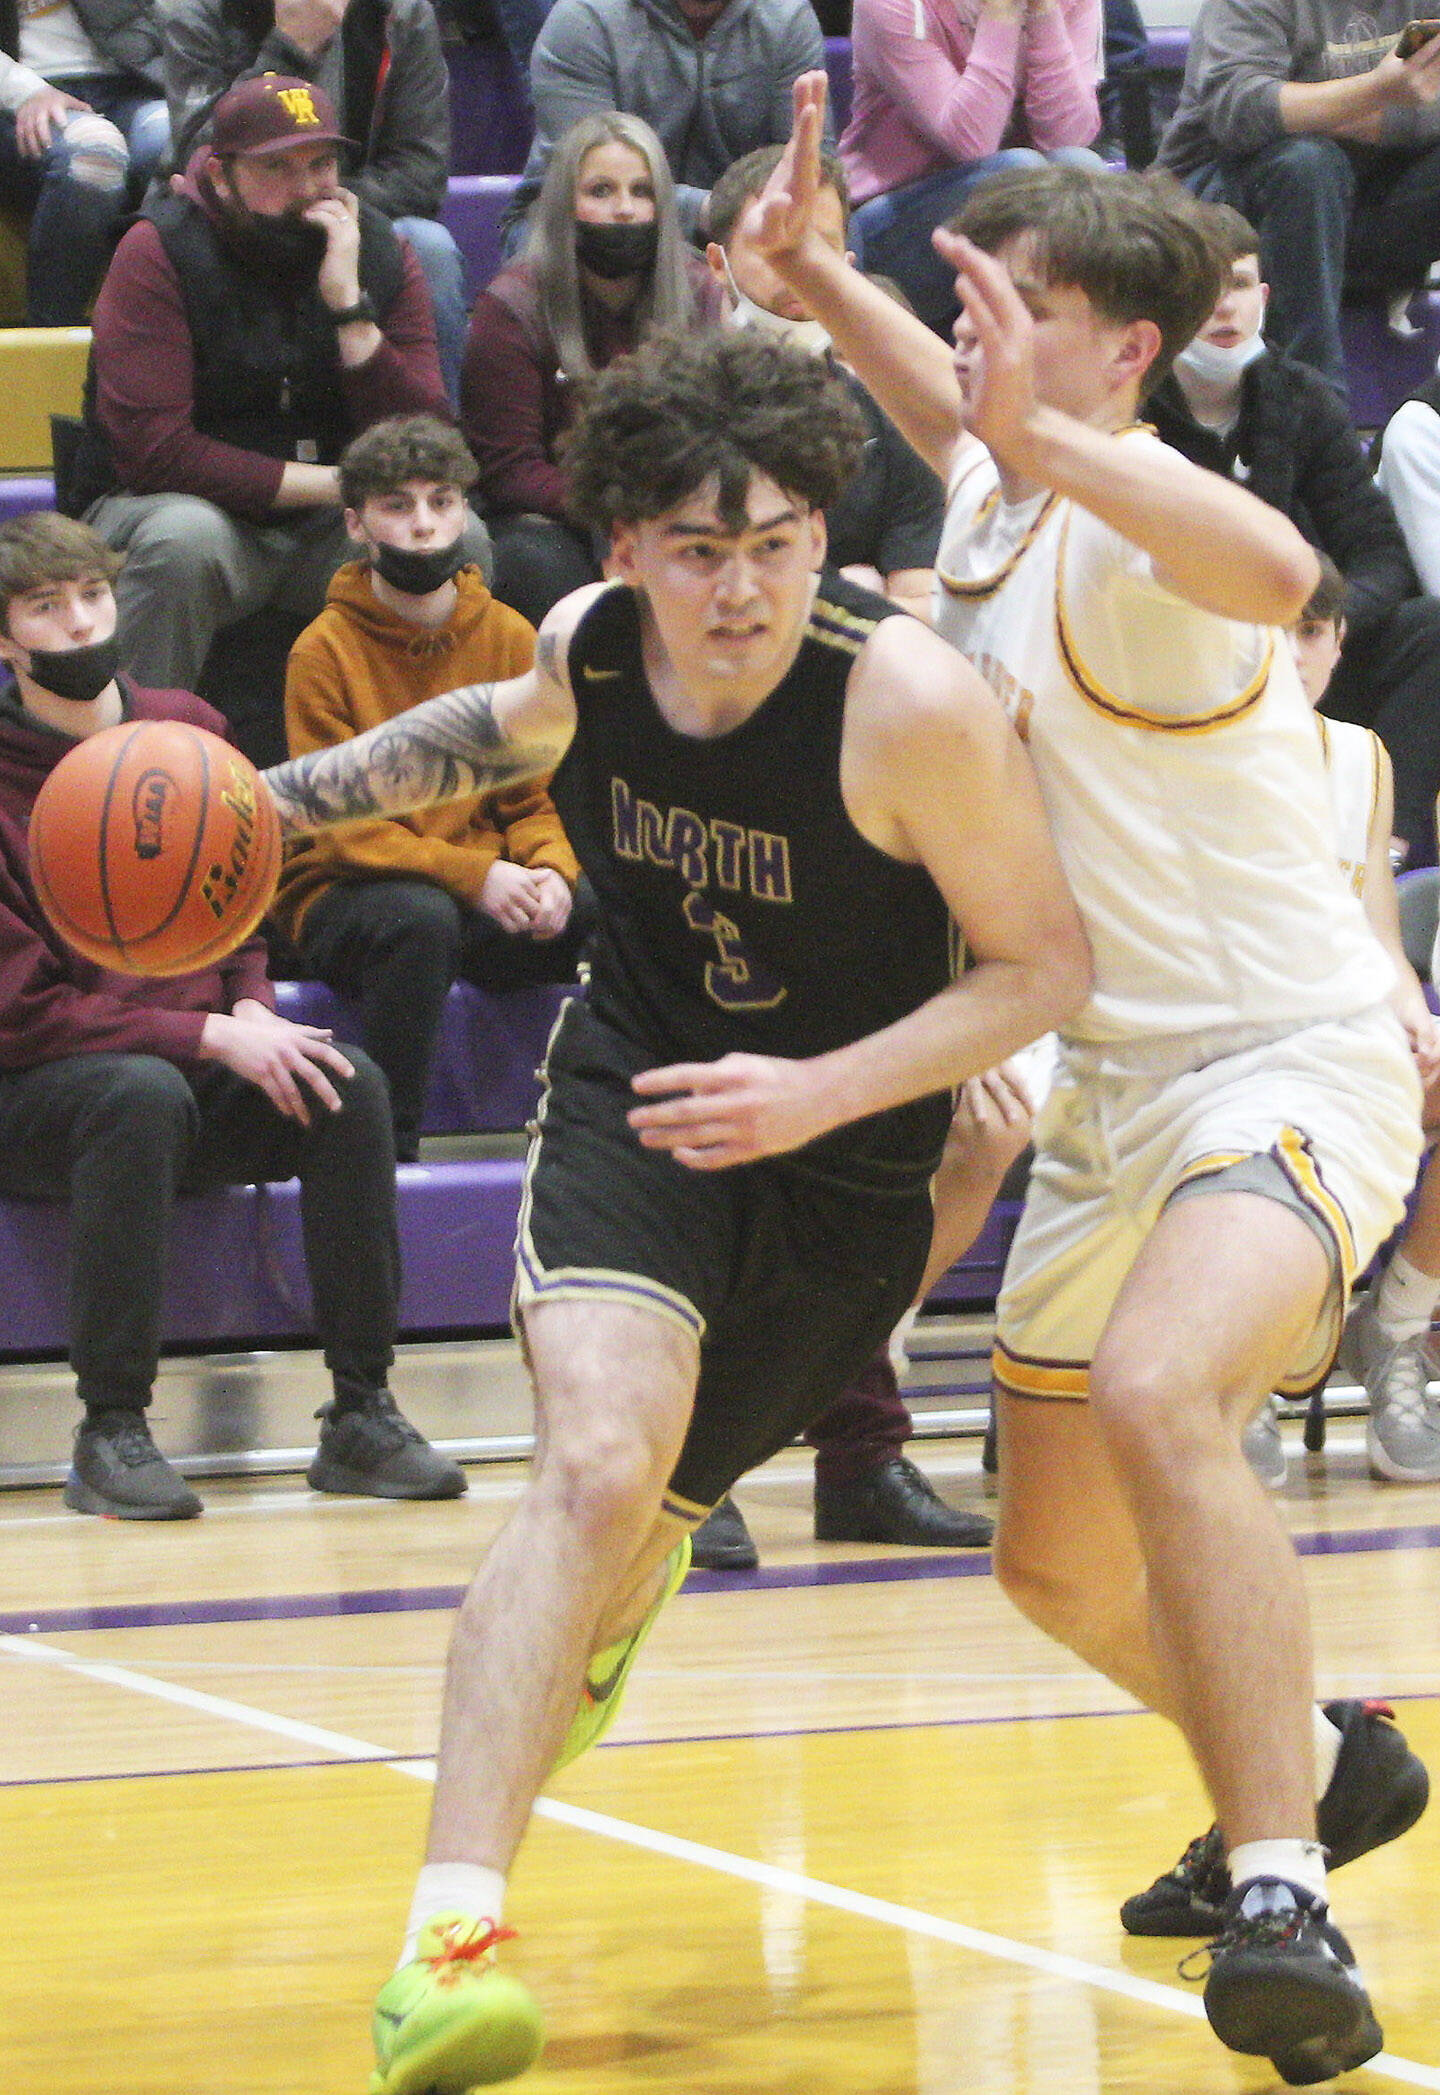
1234, 1121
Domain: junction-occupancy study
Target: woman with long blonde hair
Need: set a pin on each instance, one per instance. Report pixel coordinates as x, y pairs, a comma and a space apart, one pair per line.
603, 264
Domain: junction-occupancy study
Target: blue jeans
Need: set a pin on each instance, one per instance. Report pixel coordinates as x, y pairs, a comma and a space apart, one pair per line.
74, 222
891, 233
444, 268
1323, 209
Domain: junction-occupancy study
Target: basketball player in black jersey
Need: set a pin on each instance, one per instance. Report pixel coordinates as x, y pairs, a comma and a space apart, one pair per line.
727, 1202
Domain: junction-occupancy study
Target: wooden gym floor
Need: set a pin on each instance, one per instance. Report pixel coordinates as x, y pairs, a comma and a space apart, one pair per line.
860, 1830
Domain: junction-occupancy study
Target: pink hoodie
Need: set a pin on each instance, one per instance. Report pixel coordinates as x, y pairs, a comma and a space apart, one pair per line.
941, 83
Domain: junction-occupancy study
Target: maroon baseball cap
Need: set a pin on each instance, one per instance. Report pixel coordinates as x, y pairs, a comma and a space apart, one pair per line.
271, 113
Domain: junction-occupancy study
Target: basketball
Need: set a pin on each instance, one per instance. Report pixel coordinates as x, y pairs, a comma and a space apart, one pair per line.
154, 848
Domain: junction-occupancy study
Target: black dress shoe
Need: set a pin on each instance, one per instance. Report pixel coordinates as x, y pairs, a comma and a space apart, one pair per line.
894, 1503
722, 1542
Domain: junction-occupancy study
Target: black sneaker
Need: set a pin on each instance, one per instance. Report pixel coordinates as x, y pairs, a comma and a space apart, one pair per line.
894, 1503
118, 1471
1283, 1986
371, 1450
1377, 1792
722, 1542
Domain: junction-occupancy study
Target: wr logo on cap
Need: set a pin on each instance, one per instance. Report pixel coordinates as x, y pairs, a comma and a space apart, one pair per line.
298, 104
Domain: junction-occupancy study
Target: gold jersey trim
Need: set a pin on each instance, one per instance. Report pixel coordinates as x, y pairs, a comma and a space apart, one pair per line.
1040, 1381
837, 626
1114, 708
987, 585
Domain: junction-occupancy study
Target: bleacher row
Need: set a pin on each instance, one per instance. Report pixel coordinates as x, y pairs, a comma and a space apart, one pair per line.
237, 1273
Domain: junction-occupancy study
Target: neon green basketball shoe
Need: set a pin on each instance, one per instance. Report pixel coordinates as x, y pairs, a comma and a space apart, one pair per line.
449, 2021
608, 1671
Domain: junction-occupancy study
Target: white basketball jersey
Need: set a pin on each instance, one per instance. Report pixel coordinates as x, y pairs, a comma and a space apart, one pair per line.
1180, 768
1352, 767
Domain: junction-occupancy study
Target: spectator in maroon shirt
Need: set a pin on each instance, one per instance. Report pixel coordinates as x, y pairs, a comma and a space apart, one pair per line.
117, 1092
604, 263
252, 322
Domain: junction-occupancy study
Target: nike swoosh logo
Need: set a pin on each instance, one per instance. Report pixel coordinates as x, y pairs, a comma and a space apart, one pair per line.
602, 1690
389, 2015
599, 676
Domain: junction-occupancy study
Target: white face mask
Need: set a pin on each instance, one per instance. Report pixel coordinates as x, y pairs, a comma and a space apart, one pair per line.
1221, 363
808, 335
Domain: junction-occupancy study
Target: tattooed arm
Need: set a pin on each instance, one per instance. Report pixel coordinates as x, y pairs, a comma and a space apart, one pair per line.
466, 741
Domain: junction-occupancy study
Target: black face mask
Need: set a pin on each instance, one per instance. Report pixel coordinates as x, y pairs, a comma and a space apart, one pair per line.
75, 672
286, 246
614, 251
416, 573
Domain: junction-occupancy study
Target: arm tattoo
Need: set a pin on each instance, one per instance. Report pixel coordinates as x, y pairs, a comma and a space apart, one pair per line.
442, 750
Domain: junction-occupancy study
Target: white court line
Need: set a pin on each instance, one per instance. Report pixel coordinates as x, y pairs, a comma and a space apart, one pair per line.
909, 1919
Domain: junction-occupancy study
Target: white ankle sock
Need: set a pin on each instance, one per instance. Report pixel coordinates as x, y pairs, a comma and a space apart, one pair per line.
452, 1887
1328, 1738
1299, 1862
1407, 1299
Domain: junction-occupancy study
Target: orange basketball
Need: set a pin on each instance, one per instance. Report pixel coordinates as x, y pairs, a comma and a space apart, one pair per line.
154, 848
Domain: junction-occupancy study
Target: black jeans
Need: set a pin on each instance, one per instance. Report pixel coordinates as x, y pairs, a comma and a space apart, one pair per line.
395, 946
120, 1135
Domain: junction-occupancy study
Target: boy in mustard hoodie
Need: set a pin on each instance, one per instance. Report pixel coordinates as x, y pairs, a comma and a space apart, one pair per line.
390, 911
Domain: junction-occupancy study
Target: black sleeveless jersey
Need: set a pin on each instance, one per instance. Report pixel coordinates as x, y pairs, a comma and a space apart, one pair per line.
741, 909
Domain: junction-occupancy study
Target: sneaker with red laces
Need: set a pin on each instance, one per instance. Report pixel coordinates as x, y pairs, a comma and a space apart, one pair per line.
449, 2020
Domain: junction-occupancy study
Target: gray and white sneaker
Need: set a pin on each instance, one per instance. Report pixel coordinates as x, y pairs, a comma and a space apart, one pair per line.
1264, 1449
1402, 1438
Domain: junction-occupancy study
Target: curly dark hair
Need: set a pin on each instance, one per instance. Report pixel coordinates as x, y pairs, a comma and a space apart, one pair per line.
404, 447
685, 408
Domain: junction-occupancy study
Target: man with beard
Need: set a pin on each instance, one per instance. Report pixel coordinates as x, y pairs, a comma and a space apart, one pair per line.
251, 324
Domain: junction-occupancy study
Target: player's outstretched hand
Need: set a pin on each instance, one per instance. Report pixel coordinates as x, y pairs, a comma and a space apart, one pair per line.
729, 1112
786, 203
285, 1060
998, 387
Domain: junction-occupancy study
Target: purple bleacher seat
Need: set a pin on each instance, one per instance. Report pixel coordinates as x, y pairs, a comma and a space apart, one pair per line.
842, 86
237, 1270
1168, 46
1384, 367
474, 207
490, 121
483, 1079
23, 495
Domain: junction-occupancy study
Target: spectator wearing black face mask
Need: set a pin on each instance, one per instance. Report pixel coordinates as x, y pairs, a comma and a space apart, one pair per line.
604, 263
250, 325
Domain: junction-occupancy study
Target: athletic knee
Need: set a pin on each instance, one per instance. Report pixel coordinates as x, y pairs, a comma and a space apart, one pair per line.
607, 1475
